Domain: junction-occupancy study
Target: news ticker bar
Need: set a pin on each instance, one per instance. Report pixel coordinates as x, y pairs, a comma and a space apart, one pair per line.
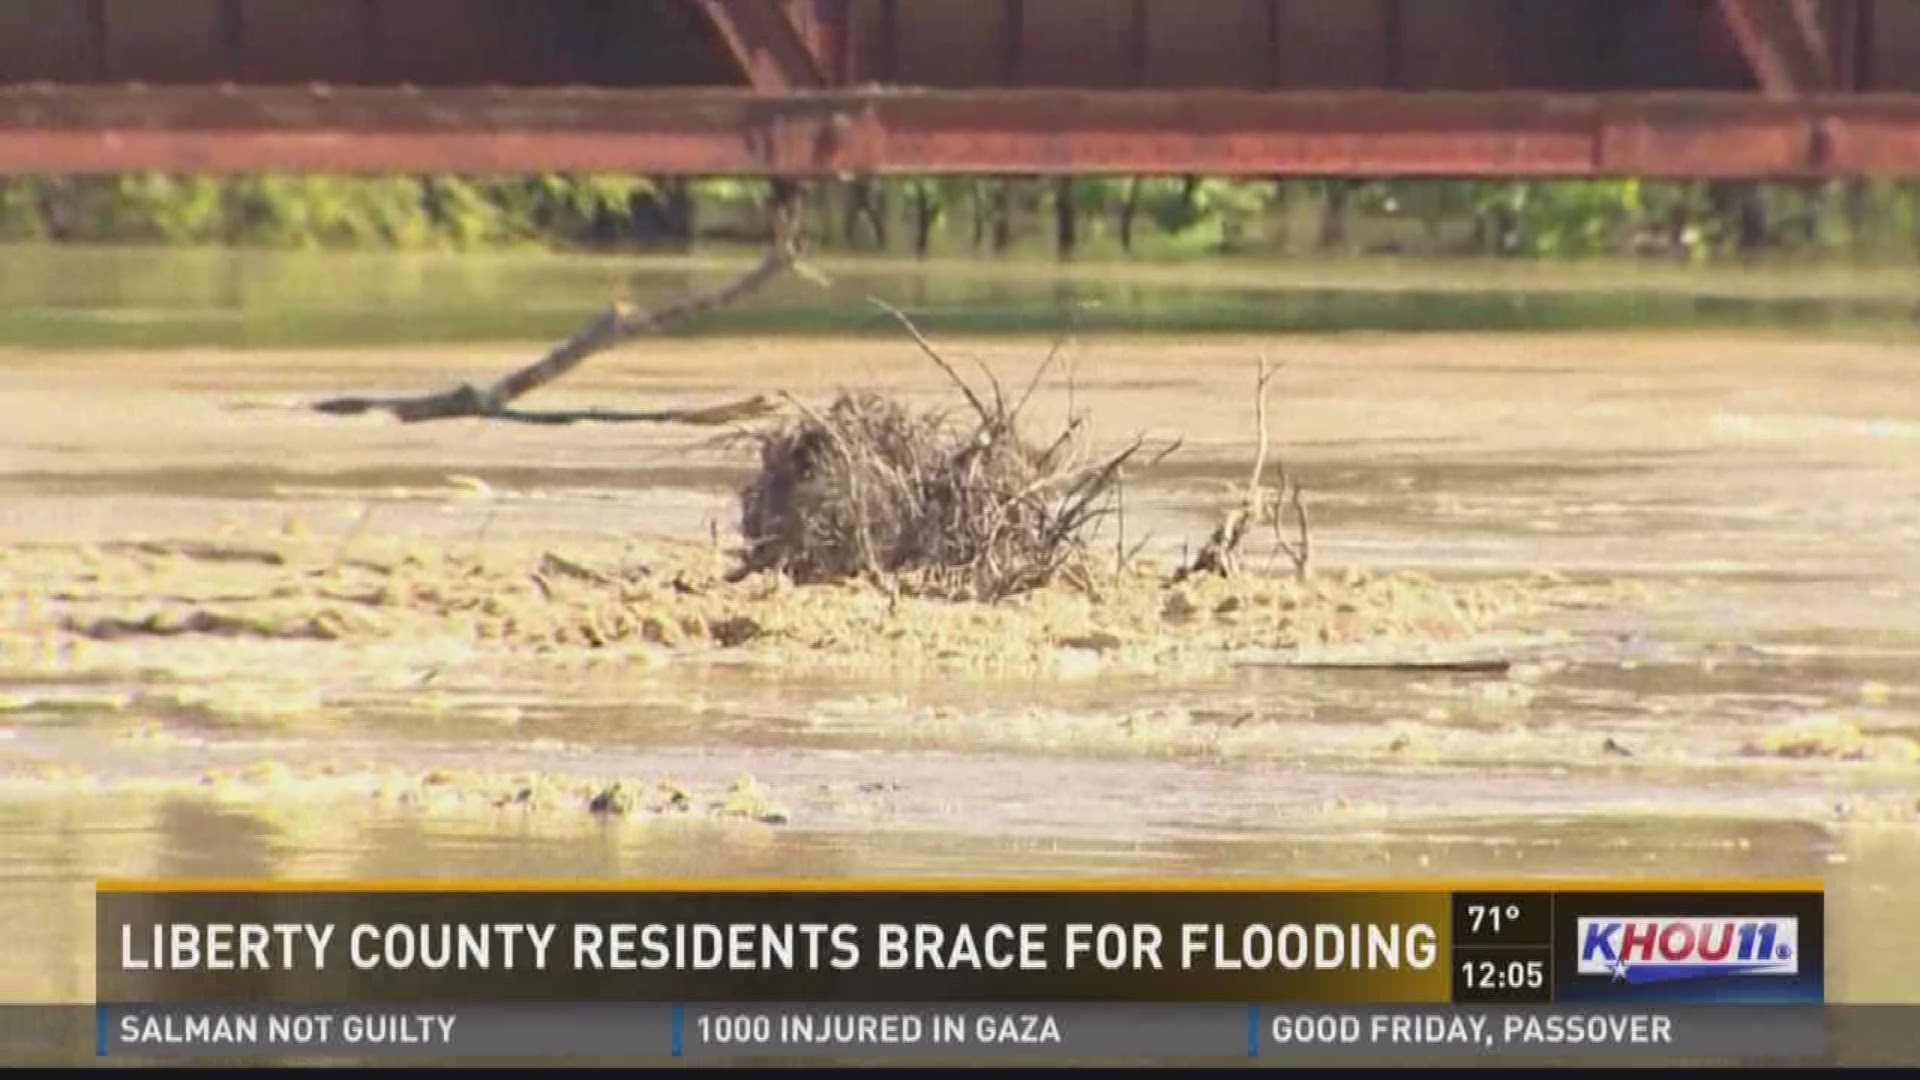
962, 942
934, 1032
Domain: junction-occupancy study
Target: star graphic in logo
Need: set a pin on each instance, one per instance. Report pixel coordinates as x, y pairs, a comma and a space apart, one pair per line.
1619, 971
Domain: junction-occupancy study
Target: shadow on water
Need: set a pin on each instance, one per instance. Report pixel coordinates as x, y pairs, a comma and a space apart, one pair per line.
133, 298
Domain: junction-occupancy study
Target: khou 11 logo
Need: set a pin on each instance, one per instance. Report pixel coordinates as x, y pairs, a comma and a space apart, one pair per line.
1663, 948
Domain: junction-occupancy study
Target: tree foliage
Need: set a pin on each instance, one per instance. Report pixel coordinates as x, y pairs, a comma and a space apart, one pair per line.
926, 215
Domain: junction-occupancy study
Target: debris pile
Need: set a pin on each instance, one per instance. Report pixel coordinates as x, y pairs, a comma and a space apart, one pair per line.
935, 503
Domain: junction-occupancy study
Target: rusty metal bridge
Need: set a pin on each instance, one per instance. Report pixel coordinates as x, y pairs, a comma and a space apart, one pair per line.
1716, 88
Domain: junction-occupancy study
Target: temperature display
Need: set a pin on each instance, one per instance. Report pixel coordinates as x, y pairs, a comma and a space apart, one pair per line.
1502, 948
1488, 918
1502, 919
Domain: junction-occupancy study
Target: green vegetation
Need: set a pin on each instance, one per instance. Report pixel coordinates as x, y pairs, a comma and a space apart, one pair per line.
147, 260
1153, 217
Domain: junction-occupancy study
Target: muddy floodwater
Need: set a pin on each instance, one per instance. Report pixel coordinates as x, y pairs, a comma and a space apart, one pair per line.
1733, 690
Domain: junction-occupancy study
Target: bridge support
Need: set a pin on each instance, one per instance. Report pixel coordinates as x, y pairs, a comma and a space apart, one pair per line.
1785, 44
772, 42
878, 132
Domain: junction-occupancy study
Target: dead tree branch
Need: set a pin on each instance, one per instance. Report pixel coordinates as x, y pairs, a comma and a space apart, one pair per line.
618, 323
1220, 554
933, 354
1300, 551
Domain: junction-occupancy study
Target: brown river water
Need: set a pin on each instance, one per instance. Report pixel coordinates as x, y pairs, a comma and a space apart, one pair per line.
1762, 493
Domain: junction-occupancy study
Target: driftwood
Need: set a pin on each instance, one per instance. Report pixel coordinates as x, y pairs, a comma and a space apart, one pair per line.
619, 322
723, 414
1450, 667
1466, 665
1220, 554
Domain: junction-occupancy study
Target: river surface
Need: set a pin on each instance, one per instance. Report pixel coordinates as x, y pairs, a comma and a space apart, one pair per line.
1762, 487
103, 297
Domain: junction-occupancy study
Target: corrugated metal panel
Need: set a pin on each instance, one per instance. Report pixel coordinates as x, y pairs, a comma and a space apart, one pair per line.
653, 43
873, 23
46, 39
1681, 45
872, 39
163, 40
1223, 43
1565, 44
1458, 45
950, 42
1893, 56
1332, 44
549, 42
301, 41
1086, 43
443, 42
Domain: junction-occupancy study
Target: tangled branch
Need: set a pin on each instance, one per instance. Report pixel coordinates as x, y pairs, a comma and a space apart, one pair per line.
956, 506
1220, 554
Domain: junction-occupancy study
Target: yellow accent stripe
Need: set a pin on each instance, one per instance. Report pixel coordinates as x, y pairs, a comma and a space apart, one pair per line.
947, 885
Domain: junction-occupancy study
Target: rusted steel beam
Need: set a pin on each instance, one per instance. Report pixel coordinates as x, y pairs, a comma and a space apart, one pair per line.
772, 42
52, 129
1784, 42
